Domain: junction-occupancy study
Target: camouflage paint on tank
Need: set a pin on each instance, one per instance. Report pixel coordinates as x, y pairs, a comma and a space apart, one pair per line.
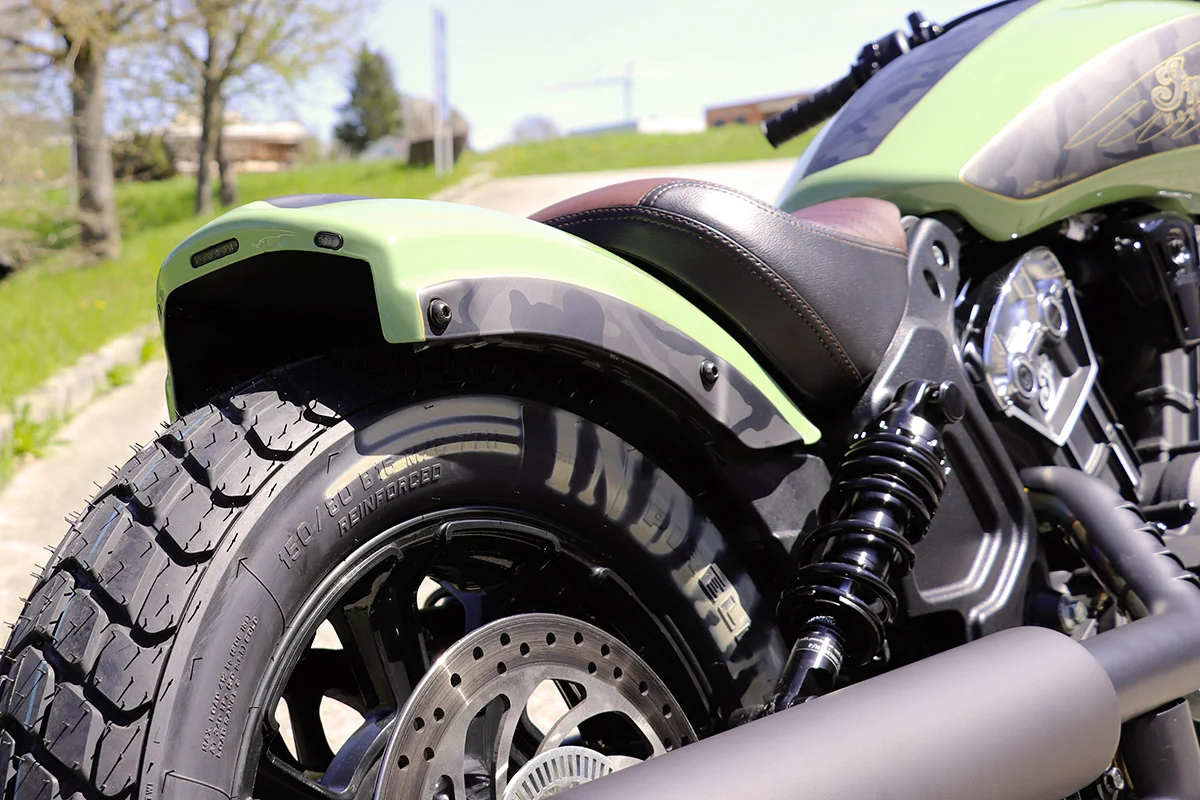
1100, 117
1009, 137
565, 311
413, 244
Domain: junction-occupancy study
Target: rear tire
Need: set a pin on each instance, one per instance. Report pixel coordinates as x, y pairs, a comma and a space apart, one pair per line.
134, 668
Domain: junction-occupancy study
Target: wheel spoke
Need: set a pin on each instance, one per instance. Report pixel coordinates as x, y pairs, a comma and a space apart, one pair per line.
387, 642
507, 733
277, 780
326, 673
533, 584
382, 631
308, 731
567, 723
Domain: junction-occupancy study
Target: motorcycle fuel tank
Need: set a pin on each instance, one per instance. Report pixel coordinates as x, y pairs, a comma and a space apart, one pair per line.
1024, 114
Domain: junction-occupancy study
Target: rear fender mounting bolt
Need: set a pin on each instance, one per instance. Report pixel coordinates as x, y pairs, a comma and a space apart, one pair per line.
439, 314
709, 373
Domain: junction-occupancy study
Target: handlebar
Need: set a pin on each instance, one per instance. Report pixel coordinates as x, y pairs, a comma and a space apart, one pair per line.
809, 112
823, 104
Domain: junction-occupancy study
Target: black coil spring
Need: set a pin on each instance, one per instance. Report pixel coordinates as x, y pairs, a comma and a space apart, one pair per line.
879, 507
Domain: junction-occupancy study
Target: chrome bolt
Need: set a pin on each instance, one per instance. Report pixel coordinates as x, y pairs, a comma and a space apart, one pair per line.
709, 373
1072, 613
940, 257
1113, 780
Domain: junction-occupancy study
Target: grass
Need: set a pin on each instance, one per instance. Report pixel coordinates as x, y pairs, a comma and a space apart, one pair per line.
153, 348
52, 315
32, 439
629, 150
146, 207
121, 375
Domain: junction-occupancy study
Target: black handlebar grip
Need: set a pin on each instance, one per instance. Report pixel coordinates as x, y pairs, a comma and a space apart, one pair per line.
809, 112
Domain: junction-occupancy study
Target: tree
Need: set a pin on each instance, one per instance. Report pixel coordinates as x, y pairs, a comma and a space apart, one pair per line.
34, 141
374, 109
77, 36
231, 44
534, 128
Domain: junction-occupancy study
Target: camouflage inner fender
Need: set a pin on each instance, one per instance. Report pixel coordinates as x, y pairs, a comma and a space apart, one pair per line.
502, 276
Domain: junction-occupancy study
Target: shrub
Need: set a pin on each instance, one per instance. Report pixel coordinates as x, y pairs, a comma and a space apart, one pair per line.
142, 157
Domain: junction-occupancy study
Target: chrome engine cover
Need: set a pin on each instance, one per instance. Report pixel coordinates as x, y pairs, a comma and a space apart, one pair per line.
1027, 344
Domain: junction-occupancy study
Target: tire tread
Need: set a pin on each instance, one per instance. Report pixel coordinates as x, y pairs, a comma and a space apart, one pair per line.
86, 657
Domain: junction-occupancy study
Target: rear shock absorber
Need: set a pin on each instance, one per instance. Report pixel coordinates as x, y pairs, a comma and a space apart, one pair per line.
879, 507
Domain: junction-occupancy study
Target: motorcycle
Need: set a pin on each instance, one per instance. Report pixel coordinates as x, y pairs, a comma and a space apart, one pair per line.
885, 492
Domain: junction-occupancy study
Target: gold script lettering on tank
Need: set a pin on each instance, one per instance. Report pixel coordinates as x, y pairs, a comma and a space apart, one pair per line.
1176, 87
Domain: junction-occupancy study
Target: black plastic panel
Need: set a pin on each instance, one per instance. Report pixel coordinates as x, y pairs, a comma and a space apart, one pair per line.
976, 556
263, 312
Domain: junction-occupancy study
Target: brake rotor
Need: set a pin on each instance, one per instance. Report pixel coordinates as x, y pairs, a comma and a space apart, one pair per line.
480, 688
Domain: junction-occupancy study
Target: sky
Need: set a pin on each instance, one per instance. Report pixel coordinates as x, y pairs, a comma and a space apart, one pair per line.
506, 56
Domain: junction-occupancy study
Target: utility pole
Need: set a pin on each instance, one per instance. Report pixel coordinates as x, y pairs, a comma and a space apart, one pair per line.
627, 91
443, 132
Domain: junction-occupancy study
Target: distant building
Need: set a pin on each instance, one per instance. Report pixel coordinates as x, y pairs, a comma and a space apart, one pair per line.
648, 125
255, 146
670, 125
415, 144
750, 112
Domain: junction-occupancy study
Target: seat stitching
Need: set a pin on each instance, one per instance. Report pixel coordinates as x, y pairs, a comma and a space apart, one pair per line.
813, 227
753, 264
822, 230
655, 191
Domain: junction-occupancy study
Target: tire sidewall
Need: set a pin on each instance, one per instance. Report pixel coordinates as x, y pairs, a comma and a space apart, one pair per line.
361, 478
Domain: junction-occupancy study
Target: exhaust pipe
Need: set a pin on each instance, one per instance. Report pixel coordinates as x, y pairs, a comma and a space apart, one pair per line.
1156, 659
1153, 660
1024, 714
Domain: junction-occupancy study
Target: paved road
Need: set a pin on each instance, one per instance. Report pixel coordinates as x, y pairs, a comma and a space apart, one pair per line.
524, 196
32, 507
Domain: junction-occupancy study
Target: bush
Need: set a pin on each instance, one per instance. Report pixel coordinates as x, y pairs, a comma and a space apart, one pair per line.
142, 157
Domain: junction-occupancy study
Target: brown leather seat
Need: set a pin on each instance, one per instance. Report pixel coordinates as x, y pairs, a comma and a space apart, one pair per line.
820, 292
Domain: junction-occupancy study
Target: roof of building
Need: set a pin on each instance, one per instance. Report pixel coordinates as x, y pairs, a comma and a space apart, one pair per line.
285, 132
777, 102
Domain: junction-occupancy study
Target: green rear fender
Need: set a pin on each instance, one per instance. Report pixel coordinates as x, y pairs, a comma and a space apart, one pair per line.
500, 276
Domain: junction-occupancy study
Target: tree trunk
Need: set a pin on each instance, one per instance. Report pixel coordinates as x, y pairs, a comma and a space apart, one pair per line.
228, 169
210, 119
99, 229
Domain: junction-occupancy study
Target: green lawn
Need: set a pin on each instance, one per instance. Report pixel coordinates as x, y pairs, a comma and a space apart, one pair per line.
52, 315
145, 207
627, 150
